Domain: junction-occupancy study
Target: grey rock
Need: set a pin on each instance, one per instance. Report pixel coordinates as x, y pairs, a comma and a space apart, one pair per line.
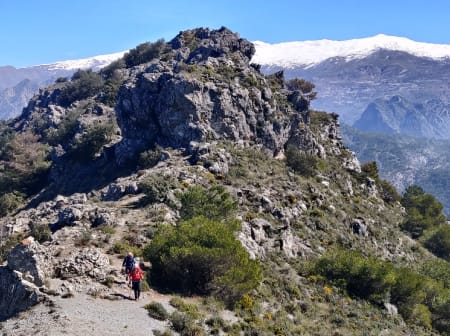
359, 227
391, 309
16, 294
69, 215
33, 260
88, 261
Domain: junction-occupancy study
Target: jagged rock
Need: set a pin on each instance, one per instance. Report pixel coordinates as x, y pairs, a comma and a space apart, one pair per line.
102, 217
88, 261
359, 227
16, 294
68, 216
33, 260
391, 309
117, 190
371, 187
259, 228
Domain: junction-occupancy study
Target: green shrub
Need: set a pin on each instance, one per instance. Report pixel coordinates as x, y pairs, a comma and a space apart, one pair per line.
423, 211
144, 53
111, 71
90, 142
157, 311
185, 325
439, 242
10, 202
214, 203
368, 278
66, 129
188, 308
420, 315
302, 163
41, 232
6, 244
166, 332
156, 188
201, 256
388, 192
109, 92
84, 84
438, 270
84, 239
123, 247
302, 85
370, 169
149, 158
25, 164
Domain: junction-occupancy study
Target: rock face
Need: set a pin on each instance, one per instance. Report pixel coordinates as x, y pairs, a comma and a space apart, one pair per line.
16, 295
33, 260
90, 262
205, 94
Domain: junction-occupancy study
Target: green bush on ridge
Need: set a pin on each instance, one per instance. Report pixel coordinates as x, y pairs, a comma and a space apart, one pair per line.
421, 300
200, 255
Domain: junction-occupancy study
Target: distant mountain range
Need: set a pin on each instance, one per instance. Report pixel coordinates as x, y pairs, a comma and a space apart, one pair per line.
351, 75
18, 85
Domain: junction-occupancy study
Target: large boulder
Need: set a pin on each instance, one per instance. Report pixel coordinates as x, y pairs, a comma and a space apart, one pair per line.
33, 260
16, 294
86, 262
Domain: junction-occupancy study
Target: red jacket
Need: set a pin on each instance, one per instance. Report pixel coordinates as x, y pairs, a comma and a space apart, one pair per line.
136, 274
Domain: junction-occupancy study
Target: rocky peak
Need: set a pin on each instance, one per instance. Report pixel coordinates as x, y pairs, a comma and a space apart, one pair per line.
204, 43
207, 91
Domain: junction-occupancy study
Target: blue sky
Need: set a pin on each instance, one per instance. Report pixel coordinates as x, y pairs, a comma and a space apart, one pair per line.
45, 31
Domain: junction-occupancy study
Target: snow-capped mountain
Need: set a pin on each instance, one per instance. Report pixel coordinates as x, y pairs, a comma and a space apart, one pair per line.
350, 75
95, 63
18, 85
310, 53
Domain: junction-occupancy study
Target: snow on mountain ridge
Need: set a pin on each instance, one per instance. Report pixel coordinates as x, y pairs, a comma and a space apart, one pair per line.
310, 53
96, 62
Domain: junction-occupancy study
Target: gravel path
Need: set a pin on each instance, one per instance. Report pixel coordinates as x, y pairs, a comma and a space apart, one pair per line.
83, 315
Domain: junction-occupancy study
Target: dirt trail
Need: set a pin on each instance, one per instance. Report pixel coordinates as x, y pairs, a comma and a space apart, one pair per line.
84, 315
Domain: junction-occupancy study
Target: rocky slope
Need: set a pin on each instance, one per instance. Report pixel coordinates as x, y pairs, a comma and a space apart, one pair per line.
195, 113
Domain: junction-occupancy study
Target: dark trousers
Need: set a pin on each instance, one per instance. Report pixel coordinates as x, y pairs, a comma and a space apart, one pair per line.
136, 285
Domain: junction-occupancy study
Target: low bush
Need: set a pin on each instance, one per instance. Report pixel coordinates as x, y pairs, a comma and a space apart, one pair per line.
439, 242
368, 278
123, 247
149, 158
188, 308
84, 84
156, 188
6, 244
214, 203
201, 256
10, 202
302, 163
185, 325
41, 232
421, 300
144, 53
423, 211
157, 311
90, 142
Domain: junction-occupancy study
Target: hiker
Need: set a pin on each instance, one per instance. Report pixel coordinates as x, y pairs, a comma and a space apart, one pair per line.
136, 276
128, 262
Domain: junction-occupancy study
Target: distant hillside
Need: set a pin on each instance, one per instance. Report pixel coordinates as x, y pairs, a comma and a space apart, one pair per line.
406, 160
